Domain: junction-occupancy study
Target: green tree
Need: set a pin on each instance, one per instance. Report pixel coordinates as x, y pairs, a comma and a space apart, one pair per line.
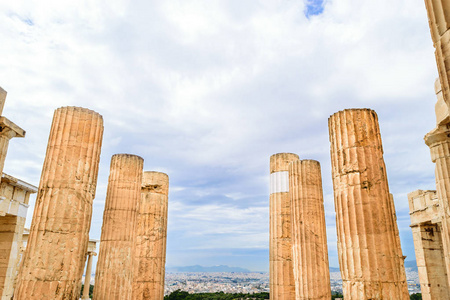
416, 296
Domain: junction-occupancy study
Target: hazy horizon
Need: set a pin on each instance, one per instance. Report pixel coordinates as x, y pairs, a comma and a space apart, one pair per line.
207, 91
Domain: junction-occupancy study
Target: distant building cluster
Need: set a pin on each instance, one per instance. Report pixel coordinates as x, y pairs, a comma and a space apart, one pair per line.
132, 254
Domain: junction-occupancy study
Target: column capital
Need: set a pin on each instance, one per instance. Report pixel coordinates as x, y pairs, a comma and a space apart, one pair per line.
9, 129
438, 136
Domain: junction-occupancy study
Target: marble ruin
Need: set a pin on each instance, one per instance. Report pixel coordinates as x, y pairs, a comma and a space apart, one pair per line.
14, 198
132, 254
151, 235
426, 217
282, 286
91, 252
53, 262
309, 238
47, 261
114, 275
369, 252
14, 195
429, 210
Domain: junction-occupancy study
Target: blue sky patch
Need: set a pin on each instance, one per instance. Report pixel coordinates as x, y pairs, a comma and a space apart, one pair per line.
314, 7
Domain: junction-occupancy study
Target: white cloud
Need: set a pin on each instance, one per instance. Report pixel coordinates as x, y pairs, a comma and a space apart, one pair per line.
207, 90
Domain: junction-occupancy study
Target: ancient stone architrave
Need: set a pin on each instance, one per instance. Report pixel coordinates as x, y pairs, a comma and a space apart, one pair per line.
309, 237
54, 260
114, 274
282, 285
368, 249
151, 237
426, 218
14, 195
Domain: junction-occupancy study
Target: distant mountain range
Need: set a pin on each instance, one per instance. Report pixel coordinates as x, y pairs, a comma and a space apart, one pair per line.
226, 269
411, 264
332, 269
217, 269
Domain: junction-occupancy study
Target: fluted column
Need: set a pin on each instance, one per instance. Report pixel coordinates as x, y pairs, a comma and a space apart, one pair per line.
282, 285
151, 237
309, 237
87, 277
114, 275
439, 142
368, 256
439, 21
56, 251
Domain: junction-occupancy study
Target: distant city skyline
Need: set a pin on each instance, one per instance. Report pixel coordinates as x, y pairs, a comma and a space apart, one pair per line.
206, 91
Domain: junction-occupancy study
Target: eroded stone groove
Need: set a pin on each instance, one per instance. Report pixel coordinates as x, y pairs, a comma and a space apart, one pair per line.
309, 239
151, 237
368, 248
282, 285
114, 274
54, 259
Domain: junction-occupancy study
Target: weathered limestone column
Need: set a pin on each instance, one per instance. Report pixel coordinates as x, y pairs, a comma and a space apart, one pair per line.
87, 278
439, 21
427, 234
398, 245
368, 251
56, 251
439, 142
114, 275
309, 237
151, 237
282, 286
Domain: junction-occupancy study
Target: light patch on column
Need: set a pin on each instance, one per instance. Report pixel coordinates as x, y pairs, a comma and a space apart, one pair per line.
23, 208
279, 182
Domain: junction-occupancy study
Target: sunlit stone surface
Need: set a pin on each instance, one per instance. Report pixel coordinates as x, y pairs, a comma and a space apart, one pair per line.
282, 285
368, 247
54, 259
151, 237
114, 275
309, 237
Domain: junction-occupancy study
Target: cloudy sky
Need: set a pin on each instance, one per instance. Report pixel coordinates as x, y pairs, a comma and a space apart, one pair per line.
207, 90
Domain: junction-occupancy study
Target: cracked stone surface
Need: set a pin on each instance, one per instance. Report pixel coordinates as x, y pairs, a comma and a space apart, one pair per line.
151, 237
56, 251
368, 245
114, 274
282, 285
309, 237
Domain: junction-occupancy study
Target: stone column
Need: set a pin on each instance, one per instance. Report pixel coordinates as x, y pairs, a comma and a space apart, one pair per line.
439, 142
368, 253
56, 251
398, 244
151, 237
87, 277
439, 21
309, 237
282, 286
114, 275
